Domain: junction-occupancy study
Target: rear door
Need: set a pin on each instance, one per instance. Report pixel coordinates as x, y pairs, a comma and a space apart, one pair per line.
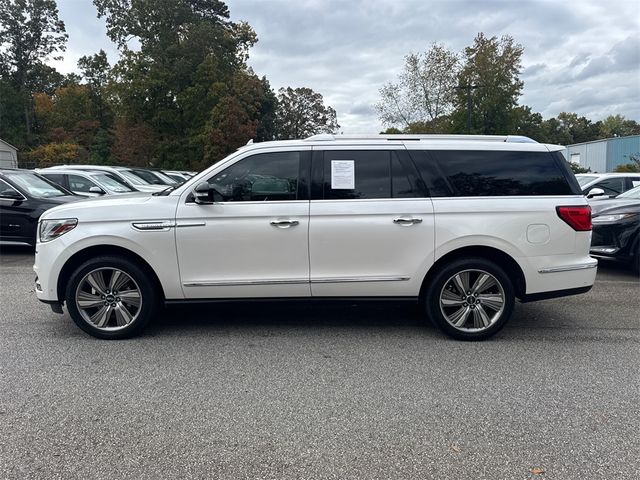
370, 223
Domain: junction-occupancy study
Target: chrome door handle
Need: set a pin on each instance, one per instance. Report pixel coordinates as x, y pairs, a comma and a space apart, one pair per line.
284, 223
406, 221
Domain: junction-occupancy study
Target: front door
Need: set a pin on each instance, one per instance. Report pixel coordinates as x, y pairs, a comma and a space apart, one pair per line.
16, 215
253, 243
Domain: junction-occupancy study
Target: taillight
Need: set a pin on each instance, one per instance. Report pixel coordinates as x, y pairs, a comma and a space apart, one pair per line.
578, 218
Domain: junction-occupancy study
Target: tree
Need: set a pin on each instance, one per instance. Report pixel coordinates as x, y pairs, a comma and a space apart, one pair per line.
493, 66
618, 126
31, 32
95, 71
424, 91
190, 52
301, 112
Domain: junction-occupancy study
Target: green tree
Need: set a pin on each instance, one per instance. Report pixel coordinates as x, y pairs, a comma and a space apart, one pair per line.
190, 52
618, 126
493, 65
95, 71
424, 91
301, 112
31, 32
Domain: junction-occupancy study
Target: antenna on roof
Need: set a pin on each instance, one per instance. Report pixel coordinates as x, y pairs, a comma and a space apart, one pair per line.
250, 142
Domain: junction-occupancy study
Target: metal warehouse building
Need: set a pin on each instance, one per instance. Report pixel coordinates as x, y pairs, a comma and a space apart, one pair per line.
604, 155
8, 155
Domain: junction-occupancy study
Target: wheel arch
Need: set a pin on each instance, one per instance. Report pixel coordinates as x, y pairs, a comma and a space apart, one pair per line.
504, 260
85, 254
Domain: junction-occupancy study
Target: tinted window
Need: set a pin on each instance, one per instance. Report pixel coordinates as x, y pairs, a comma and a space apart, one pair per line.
491, 173
376, 174
261, 177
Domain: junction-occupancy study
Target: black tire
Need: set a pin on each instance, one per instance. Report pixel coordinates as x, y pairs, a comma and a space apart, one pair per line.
485, 312
110, 308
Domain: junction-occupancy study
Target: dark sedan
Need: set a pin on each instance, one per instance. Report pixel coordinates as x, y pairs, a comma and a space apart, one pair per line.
24, 196
616, 228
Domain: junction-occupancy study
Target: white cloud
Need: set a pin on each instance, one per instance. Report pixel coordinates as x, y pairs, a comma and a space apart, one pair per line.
579, 56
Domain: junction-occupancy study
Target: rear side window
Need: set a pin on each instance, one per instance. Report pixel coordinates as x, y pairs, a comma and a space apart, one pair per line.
473, 173
368, 174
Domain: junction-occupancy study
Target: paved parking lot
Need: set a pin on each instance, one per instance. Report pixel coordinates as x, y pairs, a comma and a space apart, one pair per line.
292, 391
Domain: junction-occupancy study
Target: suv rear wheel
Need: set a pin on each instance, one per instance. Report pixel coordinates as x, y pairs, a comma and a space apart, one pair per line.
470, 299
111, 298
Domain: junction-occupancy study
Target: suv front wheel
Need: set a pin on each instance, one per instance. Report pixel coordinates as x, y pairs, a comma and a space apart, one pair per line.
470, 299
111, 298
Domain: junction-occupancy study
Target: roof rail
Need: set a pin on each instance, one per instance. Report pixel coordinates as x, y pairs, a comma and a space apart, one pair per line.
326, 137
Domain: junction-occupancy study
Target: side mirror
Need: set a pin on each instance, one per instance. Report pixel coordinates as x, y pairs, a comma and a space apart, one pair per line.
205, 194
595, 192
97, 190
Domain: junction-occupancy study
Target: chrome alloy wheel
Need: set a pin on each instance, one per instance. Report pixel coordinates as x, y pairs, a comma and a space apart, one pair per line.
472, 300
108, 299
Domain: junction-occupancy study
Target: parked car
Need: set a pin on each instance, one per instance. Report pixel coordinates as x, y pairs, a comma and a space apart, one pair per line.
462, 224
616, 228
605, 185
24, 197
122, 173
88, 183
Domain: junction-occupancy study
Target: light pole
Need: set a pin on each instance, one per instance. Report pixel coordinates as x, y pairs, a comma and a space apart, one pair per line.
468, 87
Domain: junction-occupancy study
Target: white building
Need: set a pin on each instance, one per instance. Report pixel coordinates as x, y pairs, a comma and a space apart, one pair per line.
8, 155
603, 156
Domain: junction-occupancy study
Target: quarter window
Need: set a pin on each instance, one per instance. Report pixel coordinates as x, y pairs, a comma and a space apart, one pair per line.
469, 173
259, 178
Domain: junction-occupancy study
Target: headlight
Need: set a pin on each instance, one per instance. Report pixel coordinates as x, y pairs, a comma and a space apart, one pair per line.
50, 229
612, 218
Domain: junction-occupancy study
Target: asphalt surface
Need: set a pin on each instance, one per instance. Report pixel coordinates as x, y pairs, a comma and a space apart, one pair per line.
338, 392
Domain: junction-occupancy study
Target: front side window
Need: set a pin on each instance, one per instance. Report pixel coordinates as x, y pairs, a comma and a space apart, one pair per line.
611, 186
7, 191
260, 178
78, 183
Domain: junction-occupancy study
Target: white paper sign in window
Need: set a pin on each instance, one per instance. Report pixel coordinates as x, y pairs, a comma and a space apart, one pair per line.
343, 174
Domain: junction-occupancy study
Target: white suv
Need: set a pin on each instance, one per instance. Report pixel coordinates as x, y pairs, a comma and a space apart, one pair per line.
462, 224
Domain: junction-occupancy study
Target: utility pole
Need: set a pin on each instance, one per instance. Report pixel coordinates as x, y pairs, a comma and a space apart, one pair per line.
468, 87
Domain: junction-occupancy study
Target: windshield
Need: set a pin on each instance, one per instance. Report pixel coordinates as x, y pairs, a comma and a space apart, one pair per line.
134, 179
35, 185
584, 179
154, 178
634, 193
112, 183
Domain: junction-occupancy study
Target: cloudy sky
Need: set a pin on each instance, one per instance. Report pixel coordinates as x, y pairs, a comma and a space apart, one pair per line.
580, 56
